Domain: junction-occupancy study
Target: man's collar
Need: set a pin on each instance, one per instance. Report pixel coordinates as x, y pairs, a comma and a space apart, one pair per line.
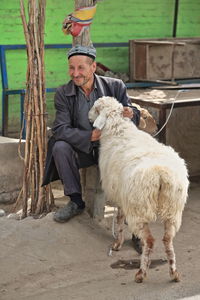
70, 89
95, 82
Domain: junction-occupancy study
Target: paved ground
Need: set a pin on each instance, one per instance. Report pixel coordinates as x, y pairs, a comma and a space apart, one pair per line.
43, 260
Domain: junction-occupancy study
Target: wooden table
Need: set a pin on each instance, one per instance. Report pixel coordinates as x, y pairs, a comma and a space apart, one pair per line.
163, 106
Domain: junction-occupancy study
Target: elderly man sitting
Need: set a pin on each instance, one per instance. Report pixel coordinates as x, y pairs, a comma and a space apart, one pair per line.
75, 142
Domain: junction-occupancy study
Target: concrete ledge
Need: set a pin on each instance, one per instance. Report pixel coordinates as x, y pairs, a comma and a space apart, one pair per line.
11, 171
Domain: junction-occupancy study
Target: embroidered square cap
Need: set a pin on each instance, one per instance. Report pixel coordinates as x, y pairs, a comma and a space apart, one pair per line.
82, 50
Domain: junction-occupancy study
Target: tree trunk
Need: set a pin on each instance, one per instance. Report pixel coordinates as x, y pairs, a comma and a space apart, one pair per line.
84, 39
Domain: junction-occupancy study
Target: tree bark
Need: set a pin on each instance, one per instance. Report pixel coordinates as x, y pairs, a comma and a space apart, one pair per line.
84, 39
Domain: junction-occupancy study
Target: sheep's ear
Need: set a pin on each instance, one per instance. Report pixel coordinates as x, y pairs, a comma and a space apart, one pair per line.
100, 121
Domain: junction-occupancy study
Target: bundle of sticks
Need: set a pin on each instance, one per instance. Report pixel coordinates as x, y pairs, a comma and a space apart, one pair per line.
35, 113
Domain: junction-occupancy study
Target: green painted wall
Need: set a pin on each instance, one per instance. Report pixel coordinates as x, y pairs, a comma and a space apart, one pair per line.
115, 21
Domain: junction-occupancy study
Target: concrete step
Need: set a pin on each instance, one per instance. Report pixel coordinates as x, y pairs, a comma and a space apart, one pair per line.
11, 169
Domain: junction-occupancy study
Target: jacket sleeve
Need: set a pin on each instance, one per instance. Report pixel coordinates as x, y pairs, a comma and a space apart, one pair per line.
123, 97
63, 129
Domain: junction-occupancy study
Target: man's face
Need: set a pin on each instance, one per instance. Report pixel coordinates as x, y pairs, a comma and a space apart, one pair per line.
81, 70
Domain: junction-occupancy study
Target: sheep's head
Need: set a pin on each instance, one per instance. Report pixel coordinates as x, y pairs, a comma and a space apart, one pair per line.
147, 122
102, 109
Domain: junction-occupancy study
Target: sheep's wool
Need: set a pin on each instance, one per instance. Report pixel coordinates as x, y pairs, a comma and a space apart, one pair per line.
145, 178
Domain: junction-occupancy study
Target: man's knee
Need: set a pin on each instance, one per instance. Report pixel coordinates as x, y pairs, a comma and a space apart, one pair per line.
61, 148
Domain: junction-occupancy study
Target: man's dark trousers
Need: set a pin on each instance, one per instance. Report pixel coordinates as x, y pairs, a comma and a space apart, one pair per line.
68, 162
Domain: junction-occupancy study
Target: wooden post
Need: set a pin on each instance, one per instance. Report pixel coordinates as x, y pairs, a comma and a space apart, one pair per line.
90, 179
84, 39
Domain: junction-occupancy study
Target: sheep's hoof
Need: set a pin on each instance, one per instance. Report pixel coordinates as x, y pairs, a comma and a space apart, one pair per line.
139, 276
116, 246
175, 276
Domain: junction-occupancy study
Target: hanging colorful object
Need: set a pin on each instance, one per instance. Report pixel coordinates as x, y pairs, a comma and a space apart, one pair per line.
77, 21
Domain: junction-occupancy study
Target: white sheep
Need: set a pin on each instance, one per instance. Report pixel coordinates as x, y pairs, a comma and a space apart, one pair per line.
144, 178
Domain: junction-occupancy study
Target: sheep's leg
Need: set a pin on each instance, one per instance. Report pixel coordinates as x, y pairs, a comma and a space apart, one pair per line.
120, 230
148, 242
169, 249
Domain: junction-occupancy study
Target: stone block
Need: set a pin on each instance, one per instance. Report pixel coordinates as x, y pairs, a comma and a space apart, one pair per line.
92, 193
11, 171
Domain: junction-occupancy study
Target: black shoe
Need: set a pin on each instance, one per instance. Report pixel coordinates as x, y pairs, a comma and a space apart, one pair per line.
67, 212
137, 244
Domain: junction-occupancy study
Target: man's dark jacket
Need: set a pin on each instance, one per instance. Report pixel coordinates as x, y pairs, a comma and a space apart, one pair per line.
66, 125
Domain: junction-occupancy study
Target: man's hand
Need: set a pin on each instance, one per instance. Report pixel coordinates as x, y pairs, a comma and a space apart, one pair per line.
128, 112
96, 134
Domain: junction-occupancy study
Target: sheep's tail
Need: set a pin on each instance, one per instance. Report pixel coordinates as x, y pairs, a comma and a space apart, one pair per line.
172, 195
